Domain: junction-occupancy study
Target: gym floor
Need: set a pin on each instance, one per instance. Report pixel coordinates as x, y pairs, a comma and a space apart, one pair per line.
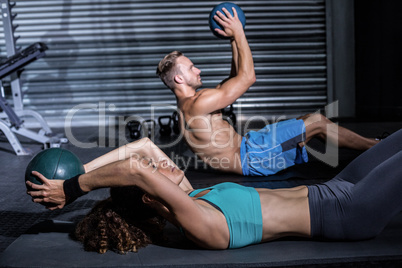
31, 236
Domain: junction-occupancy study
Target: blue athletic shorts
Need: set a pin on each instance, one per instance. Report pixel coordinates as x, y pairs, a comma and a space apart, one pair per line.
273, 148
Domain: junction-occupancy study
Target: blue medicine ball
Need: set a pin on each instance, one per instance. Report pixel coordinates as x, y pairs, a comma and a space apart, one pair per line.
213, 24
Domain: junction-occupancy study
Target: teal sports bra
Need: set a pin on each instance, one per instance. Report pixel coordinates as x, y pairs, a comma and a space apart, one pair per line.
241, 207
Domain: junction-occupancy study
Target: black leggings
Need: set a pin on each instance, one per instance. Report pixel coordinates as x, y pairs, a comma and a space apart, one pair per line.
361, 200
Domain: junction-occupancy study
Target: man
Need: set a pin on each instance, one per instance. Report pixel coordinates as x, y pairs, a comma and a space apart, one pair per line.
215, 141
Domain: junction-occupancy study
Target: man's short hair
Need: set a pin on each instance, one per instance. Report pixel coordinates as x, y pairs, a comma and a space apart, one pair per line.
167, 68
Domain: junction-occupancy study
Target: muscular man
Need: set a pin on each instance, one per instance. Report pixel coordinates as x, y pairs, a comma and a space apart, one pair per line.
215, 141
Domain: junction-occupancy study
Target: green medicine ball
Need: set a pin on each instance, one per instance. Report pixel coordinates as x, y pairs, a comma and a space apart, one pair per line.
54, 164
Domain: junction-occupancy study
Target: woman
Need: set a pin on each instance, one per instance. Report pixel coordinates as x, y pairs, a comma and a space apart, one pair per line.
120, 223
356, 204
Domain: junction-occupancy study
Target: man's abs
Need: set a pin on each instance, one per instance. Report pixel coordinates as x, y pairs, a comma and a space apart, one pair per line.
214, 140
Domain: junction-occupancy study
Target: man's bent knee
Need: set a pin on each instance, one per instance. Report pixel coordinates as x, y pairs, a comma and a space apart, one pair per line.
316, 125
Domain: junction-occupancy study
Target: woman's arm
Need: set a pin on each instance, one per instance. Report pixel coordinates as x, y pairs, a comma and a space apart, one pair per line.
138, 149
198, 221
129, 172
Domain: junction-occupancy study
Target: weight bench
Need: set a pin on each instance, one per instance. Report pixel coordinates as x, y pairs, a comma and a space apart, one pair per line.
10, 121
10, 118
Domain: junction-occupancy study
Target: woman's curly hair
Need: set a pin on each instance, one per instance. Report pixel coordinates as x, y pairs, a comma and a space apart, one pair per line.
120, 223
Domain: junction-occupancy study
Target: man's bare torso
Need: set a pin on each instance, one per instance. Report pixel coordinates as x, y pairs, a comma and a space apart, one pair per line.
211, 138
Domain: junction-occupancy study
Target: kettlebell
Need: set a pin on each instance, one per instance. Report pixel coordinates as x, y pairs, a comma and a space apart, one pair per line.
134, 128
164, 125
229, 115
175, 119
149, 127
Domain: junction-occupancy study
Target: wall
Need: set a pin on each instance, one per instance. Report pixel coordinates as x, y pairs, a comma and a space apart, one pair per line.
340, 52
378, 27
102, 56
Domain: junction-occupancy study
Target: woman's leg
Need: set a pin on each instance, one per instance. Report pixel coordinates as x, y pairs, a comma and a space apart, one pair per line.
373, 157
374, 200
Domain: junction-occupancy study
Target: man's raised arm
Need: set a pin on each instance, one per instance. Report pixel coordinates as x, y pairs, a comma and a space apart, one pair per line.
242, 67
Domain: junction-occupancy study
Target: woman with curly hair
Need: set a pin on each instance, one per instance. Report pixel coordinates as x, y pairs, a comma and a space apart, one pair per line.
356, 204
120, 223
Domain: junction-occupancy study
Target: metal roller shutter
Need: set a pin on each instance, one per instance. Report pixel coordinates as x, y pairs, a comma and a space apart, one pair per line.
103, 54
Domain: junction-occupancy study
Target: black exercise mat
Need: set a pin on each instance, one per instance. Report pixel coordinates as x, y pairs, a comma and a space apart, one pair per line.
49, 245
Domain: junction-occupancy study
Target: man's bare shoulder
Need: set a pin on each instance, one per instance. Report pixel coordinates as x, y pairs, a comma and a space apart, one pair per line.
190, 105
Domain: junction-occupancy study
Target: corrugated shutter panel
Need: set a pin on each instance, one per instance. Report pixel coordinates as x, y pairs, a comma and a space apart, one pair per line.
104, 53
